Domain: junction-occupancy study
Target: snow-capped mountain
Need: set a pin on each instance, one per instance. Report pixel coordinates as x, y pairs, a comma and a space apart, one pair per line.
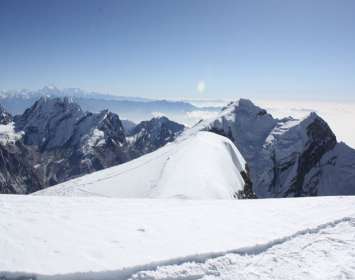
286, 157
201, 166
148, 136
55, 140
71, 142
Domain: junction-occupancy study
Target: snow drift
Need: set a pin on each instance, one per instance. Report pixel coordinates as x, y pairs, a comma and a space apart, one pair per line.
201, 166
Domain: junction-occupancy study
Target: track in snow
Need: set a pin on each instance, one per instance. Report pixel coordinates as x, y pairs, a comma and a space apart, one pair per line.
326, 252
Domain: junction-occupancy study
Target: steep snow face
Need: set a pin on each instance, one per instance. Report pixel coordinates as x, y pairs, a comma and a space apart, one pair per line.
150, 135
294, 152
110, 238
284, 155
202, 166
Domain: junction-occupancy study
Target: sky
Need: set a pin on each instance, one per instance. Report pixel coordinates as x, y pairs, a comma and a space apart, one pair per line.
283, 49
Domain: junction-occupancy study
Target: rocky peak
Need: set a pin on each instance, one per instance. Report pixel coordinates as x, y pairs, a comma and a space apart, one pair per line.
148, 136
284, 156
50, 122
156, 125
246, 124
5, 117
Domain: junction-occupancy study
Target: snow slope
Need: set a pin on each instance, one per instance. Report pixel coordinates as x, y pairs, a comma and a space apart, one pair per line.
203, 165
110, 238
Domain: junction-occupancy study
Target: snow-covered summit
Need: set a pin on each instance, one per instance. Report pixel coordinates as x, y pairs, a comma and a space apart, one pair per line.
205, 165
283, 153
55, 122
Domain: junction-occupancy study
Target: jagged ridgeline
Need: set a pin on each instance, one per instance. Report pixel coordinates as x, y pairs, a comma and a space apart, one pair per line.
55, 140
287, 157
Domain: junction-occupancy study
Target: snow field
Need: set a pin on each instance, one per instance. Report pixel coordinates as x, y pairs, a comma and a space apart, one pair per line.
111, 238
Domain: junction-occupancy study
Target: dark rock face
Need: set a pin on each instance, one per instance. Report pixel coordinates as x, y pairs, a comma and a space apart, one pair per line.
321, 140
60, 141
49, 123
247, 192
150, 135
17, 175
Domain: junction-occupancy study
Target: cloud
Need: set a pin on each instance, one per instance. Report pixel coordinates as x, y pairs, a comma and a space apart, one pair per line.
158, 114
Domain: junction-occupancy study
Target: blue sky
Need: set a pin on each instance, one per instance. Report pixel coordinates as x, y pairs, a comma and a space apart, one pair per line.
255, 49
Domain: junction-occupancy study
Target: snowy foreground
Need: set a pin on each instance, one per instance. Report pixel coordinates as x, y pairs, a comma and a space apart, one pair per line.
49, 237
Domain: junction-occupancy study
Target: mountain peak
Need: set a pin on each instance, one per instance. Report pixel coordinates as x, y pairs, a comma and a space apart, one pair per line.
149, 135
48, 104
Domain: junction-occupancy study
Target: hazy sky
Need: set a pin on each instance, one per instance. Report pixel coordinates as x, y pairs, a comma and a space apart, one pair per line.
177, 48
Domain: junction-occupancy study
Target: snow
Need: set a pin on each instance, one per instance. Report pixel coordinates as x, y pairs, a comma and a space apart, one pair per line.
94, 139
325, 253
201, 166
336, 113
8, 134
111, 238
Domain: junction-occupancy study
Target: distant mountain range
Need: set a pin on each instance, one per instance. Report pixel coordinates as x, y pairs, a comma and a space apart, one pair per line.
273, 158
132, 108
55, 140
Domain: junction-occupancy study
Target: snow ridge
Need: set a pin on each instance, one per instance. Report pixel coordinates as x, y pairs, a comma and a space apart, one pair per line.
205, 165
